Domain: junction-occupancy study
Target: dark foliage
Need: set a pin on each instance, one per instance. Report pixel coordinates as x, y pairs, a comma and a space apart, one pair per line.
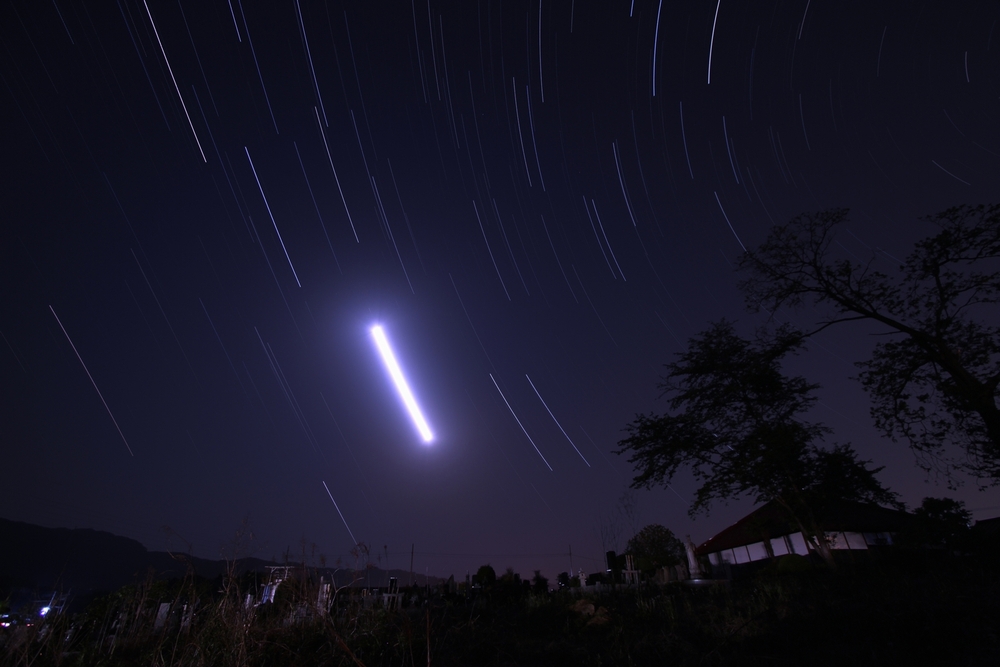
539, 584
935, 381
656, 546
906, 607
938, 523
565, 580
486, 576
735, 423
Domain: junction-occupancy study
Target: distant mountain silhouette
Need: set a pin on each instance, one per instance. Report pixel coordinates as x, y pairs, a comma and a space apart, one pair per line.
87, 562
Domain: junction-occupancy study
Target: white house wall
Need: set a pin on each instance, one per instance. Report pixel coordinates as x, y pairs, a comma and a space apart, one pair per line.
757, 551
878, 539
725, 556
796, 544
779, 546
852, 541
856, 541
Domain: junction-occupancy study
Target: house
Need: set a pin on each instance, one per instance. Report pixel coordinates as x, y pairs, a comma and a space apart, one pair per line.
768, 532
987, 529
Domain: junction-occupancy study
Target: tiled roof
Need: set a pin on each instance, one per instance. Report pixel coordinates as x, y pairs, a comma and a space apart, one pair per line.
772, 520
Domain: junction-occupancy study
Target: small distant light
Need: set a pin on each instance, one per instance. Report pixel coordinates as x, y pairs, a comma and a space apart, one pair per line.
43, 611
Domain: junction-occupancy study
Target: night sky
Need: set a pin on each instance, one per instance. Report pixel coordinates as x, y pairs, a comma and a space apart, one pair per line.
218, 208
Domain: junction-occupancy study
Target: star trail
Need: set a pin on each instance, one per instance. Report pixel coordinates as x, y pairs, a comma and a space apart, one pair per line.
532, 198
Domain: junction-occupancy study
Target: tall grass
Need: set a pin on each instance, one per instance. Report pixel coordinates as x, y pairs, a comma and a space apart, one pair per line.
908, 609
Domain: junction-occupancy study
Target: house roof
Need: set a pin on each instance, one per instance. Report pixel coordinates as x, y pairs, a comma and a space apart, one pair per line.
772, 520
988, 526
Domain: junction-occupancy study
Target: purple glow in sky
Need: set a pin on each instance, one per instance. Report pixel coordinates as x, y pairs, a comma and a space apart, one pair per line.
405, 195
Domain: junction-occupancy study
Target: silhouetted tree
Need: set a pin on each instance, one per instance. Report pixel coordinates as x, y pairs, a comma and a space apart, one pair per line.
565, 580
935, 381
486, 576
938, 522
539, 584
735, 423
654, 547
509, 585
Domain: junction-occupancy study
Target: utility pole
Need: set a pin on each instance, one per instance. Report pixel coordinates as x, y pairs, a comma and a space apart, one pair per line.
571, 561
411, 563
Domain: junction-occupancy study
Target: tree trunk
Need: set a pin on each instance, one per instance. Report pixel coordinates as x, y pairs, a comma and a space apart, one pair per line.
814, 537
822, 547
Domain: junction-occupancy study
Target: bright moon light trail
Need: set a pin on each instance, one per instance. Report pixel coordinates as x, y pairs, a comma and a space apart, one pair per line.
391, 365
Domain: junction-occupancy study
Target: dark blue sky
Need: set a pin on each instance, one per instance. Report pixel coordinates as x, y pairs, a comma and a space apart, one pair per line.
513, 200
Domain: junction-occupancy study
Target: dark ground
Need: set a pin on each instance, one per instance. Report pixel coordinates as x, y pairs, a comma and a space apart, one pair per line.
899, 608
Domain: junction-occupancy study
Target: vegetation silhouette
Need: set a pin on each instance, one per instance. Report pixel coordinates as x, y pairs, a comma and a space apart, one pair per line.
735, 422
655, 546
907, 606
934, 381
